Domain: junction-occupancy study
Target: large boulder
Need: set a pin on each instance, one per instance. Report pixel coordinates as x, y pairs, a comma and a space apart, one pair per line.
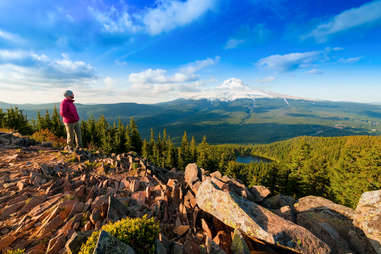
116, 210
368, 217
256, 221
73, 245
332, 223
192, 176
192, 173
108, 244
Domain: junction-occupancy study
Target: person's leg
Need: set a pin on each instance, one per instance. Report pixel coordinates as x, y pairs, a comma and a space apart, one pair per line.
78, 137
69, 134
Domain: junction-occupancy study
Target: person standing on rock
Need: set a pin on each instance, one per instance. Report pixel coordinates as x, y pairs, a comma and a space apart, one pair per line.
70, 117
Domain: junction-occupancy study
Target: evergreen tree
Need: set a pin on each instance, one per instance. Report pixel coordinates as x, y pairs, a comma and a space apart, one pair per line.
120, 138
145, 150
135, 141
203, 150
170, 160
193, 150
57, 127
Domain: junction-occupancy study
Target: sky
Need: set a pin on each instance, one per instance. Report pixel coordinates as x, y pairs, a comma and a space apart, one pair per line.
154, 51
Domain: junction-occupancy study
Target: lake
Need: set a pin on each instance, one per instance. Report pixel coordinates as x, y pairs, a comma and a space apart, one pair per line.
250, 158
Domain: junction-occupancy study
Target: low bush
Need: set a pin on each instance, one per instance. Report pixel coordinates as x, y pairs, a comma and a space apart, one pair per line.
139, 233
17, 251
47, 136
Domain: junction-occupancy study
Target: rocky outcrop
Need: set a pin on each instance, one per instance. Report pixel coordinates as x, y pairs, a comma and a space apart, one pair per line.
51, 201
256, 221
368, 217
11, 140
332, 223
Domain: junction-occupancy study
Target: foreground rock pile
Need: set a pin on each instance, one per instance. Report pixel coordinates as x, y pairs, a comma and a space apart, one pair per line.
51, 201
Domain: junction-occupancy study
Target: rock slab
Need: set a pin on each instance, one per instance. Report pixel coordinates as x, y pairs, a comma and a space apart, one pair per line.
256, 221
368, 217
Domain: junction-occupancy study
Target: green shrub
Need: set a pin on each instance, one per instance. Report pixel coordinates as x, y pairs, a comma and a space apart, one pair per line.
47, 136
18, 251
139, 233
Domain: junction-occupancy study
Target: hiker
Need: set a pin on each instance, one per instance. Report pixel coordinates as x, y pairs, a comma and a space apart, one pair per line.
70, 118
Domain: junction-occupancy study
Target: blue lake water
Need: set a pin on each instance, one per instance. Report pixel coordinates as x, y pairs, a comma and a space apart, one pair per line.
248, 159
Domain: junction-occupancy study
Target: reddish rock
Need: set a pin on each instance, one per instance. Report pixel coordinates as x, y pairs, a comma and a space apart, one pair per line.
332, 223
6, 211
20, 185
55, 244
222, 185
80, 192
192, 174
49, 227
256, 221
181, 230
139, 196
95, 215
259, 193
206, 229
368, 217
6, 241
189, 200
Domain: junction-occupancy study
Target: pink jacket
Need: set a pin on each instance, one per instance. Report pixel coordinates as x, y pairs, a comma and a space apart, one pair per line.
68, 111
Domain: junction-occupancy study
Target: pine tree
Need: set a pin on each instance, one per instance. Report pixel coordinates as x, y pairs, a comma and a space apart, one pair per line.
185, 151
170, 160
120, 138
203, 150
193, 150
57, 126
47, 123
135, 140
145, 150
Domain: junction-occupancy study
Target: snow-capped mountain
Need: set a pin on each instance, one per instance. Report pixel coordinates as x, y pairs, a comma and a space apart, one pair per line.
234, 88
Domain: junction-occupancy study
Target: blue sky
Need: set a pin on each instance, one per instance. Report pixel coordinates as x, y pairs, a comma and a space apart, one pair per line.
153, 51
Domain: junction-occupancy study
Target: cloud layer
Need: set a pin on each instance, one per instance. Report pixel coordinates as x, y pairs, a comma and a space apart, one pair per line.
27, 68
365, 14
165, 16
289, 62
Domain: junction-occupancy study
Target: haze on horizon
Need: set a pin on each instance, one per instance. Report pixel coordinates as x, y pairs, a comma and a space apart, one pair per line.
154, 51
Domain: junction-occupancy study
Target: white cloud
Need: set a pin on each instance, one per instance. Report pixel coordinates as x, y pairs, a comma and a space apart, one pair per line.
349, 60
355, 17
24, 68
115, 21
165, 16
290, 62
170, 14
11, 37
233, 43
185, 74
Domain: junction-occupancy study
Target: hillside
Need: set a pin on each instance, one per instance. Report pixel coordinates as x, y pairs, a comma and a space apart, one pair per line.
241, 121
337, 168
51, 201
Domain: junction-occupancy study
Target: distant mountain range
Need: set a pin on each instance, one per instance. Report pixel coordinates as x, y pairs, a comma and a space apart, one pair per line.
238, 120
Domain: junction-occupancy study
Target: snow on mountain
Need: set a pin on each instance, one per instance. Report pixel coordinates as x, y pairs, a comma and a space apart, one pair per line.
233, 89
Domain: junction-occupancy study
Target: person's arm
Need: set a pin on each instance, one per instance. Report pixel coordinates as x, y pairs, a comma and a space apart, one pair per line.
65, 111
